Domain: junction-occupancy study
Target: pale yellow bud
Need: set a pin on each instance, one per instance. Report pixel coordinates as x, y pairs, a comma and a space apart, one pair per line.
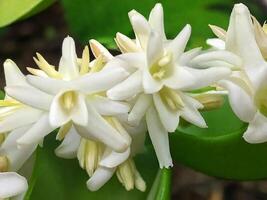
210, 101
4, 164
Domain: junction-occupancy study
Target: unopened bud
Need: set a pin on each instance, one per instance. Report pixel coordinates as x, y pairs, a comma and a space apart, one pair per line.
210, 101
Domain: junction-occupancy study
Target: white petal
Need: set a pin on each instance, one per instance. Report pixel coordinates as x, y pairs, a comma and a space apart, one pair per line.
37, 132
113, 159
191, 114
168, 118
105, 106
156, 20
47, 84
241, 40
159, 138
139, 109
13, 75
12, 184
68, 65
154, 48
216, 43
99, 178
30, 96
186, 57
178, 44
16, 156
99, 129
127, 88
257, 130
21, 117
180, 78
141, 27
219, 55
240, 101
100, 81
68, 148
98, 49
136, 59
206, 77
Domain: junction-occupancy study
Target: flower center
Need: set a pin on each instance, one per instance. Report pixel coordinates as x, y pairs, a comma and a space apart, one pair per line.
68, 100
171, 99
160, 69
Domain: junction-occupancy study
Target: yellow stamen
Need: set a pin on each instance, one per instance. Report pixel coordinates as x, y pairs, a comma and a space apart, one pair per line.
85, 61
171, 98
159, 69
64, 130
4, 164
46, 67
9, 102
210, 101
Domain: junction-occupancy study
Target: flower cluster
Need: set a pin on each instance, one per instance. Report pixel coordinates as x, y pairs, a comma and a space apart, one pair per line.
105, 106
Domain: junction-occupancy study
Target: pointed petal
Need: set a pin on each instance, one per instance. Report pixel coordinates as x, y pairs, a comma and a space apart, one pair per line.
101, 130
127, 88
99, 178
159, 137
21, 117
141, 27
100, 81
219, 55
125, 44
13, 75
68, 65
206, 77
240, 100
12, 184
156, 20
178, 44
68, 148
241, 37
190, 113
139, 109
46, 84
98, 49
113, 159
37, 132
168, 118
218, 31
257, 130
30, 96
105, 106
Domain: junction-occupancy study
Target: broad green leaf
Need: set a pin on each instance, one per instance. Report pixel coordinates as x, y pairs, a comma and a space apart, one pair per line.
102, 19
56, 178
220, 149
12, 10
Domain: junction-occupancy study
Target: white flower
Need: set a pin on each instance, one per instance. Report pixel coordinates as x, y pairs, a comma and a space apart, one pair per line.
74, 95
247, 84
162, 81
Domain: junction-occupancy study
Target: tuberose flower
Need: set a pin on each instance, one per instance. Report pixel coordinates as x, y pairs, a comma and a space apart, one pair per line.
161, 80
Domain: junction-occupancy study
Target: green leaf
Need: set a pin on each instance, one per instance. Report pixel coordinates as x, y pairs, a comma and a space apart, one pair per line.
102, 19
220, 149
56, 178
12, 10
